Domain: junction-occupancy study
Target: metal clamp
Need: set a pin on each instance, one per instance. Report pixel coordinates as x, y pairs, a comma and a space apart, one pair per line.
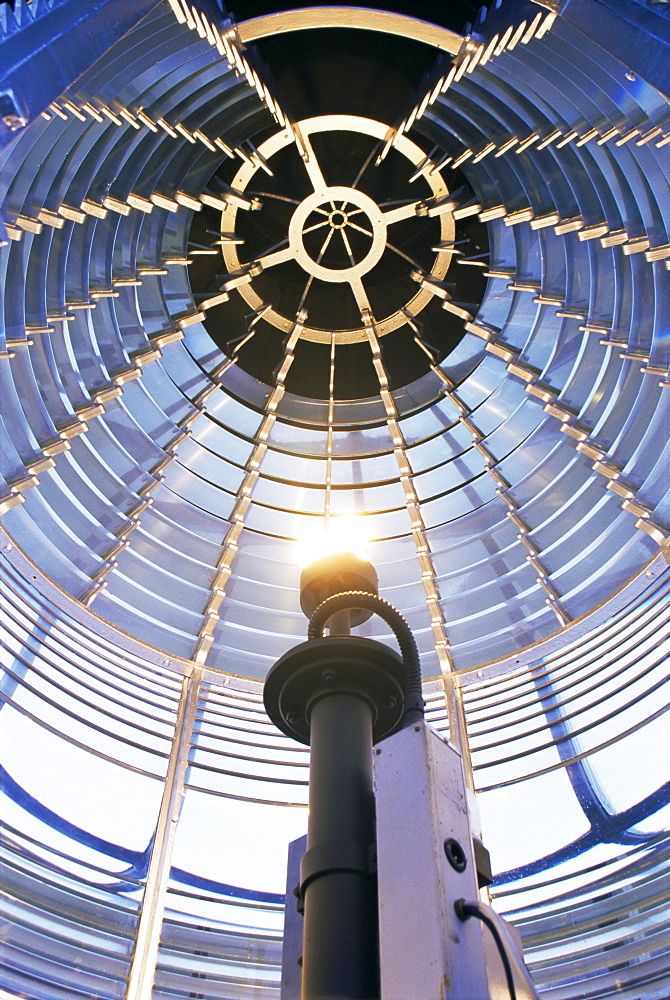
335, 856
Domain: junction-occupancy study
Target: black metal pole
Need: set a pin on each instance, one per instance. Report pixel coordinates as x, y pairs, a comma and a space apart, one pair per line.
341, 938
340, 695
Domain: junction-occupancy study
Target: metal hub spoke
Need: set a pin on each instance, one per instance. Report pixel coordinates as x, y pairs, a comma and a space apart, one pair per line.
312, 167
347, 246
360, 229
361, 296
272, 259
401, 213
325, 245
319, 225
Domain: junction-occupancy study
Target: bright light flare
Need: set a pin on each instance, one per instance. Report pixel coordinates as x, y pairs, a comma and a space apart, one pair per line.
345, 533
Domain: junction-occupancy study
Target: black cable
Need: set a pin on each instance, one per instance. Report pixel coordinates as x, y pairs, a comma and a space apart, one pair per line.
414, 706
465, 910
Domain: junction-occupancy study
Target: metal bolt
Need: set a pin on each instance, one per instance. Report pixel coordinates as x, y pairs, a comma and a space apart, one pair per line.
328, 676
10, 111
14, 122
292, 718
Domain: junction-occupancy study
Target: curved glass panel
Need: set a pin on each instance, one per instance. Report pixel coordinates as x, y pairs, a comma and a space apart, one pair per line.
221, 326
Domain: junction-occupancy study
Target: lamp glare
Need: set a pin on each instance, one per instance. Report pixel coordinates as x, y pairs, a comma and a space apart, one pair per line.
345, 533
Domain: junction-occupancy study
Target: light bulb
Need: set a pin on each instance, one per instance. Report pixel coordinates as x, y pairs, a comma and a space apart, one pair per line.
325, 537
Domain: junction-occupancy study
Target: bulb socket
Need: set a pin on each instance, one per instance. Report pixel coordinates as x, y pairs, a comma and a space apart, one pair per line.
337, 574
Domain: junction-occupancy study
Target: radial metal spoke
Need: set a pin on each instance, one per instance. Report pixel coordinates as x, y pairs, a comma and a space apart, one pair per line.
308, 155
361, 296
347, 245
143, 967
318, 225
366, 164
504, 491
401, 253
325, 245
236, 520
401, 213
359, 228
274, 247
329, 433
305, 293
279, 257
453, 695
308, 285
277, 197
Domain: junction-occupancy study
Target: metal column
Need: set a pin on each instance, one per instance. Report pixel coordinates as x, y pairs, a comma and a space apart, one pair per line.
341, 938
